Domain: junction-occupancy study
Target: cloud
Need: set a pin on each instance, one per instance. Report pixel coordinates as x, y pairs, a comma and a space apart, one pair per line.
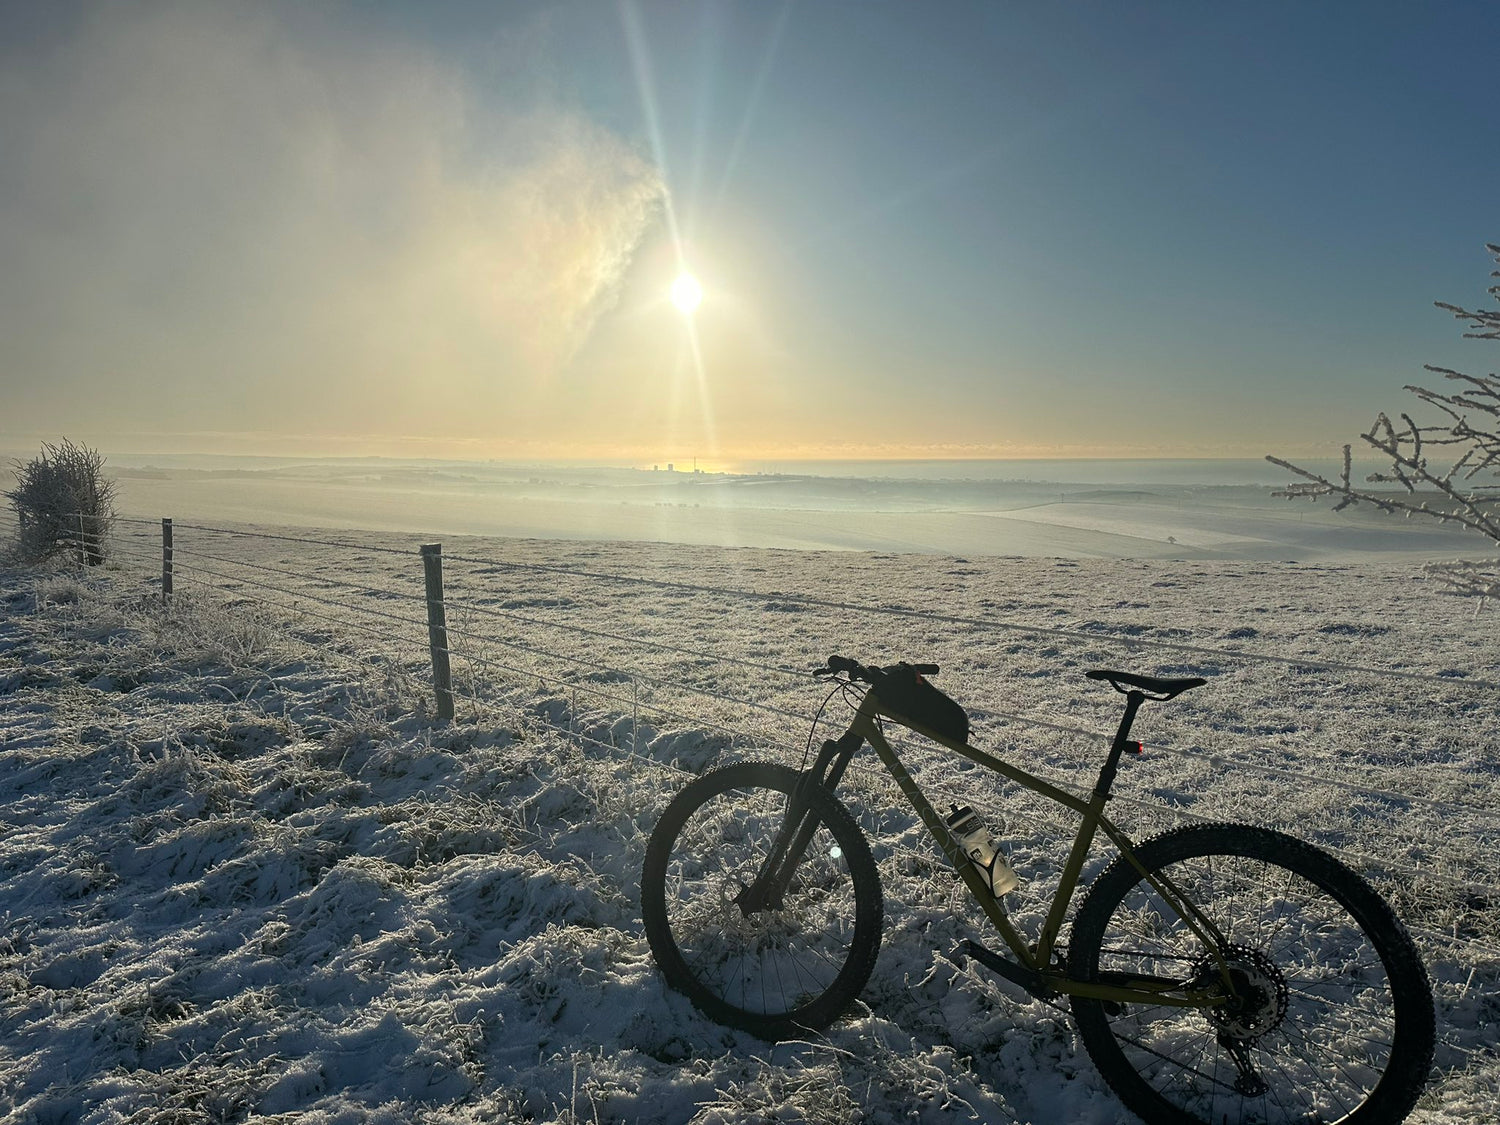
227, 216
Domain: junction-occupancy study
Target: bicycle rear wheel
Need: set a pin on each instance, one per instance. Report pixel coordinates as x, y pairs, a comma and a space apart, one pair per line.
1334, 1020
778, 971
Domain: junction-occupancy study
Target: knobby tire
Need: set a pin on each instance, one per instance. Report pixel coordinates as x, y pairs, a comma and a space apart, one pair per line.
1341, 1028
778, 972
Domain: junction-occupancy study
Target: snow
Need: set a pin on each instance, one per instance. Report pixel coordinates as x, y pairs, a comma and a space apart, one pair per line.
245, 876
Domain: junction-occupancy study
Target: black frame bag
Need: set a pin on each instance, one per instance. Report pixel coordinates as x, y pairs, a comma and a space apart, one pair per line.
907, 692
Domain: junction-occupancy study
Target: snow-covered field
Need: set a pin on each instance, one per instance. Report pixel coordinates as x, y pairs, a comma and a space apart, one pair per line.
244, 876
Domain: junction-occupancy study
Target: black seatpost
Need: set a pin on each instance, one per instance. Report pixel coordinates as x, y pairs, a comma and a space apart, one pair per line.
1133, 701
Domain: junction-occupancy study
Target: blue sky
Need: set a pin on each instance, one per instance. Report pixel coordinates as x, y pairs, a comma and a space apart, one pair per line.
921, 229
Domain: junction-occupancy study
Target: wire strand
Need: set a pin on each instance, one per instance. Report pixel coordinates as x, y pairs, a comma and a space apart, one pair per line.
296, 610
302, 594
406, 596
1270, 771
658, 645
990, 623
404, 552
757, 738
642, 677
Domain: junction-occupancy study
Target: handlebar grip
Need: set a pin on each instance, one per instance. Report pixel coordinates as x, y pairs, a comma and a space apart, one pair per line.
870, 675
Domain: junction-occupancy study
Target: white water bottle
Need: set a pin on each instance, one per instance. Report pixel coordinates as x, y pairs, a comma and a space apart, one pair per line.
970, 834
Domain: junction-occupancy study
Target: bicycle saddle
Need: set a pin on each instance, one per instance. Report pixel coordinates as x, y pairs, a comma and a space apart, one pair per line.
1156, 687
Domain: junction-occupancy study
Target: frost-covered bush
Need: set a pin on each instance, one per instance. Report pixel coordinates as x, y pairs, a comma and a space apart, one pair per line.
63, 502
1462, 486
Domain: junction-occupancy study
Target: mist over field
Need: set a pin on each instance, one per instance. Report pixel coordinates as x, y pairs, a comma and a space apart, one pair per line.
1111, 509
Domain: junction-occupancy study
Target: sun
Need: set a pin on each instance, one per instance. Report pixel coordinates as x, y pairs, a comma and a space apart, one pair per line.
687, 294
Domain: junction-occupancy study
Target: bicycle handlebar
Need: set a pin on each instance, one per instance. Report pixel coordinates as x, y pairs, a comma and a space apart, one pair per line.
870, 674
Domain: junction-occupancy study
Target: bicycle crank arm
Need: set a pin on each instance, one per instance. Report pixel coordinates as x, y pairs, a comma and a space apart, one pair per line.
1013, 971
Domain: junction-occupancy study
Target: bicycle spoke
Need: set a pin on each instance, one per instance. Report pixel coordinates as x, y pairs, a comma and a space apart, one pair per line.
1334, 1058
1385, 1043
789, 956
1290, 1085
1311, 1016
1314, 998
1168, 1058
1317, 1076
1184, 1073
1149, 954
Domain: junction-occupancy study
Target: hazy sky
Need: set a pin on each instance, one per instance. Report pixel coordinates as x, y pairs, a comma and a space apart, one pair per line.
921, 229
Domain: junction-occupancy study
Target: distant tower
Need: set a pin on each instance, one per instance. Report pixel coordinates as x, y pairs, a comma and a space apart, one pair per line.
669, 466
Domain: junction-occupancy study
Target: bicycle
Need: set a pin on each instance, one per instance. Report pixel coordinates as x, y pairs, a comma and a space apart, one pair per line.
1217, 972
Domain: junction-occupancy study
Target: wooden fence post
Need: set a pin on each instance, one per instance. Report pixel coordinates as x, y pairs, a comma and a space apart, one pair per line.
437, 629
166, 559
83, 549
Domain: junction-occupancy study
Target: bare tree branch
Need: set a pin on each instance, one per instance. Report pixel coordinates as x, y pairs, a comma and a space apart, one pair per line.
1457, 491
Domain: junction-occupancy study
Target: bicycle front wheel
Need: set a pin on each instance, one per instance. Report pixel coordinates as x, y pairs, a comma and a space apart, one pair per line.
1332, 1016
777, 970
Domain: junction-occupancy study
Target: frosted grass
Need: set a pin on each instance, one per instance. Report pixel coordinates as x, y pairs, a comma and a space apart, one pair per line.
243, 876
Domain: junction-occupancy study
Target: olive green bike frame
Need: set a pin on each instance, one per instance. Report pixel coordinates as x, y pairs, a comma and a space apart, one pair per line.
1039, 958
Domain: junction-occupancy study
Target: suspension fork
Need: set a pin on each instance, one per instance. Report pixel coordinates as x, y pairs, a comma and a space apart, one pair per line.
798, 826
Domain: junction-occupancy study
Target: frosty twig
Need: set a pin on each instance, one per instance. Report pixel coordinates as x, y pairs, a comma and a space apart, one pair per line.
1462, 486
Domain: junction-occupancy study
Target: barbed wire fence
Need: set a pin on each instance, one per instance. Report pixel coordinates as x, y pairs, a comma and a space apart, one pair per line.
600, 656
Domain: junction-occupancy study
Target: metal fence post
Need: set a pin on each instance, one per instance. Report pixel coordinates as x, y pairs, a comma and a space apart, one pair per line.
166, 559
437, 629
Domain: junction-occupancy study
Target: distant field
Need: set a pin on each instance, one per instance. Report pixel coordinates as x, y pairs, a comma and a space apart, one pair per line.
1169, 518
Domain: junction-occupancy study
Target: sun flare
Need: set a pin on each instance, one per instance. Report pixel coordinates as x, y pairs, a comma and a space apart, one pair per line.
687, 294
